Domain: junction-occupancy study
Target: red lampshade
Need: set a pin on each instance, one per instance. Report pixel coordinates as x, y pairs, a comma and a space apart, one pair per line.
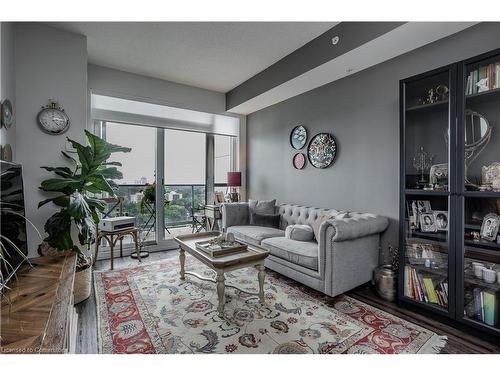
233, 179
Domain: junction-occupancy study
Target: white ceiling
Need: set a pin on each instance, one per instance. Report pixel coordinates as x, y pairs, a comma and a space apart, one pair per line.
212, 55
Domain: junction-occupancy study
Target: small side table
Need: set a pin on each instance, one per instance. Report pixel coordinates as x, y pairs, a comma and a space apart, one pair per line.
113, 237
214, 216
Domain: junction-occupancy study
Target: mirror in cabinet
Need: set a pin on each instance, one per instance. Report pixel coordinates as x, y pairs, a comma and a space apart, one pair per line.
426, 250
481, 265
426, 122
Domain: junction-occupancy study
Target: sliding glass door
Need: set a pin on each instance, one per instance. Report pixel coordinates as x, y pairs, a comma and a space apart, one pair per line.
184, 178
139, 177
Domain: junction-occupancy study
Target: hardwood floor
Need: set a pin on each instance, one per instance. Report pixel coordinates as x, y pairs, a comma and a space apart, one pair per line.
458, 341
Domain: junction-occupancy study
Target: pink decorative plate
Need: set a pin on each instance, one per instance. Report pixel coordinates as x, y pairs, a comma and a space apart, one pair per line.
299, 160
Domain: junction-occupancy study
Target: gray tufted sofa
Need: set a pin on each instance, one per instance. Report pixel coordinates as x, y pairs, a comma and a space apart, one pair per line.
343, 257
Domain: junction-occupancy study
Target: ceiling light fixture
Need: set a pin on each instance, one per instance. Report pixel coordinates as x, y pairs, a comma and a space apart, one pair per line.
335, 40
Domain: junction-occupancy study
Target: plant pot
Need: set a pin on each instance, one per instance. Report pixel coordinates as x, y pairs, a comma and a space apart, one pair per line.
83, 285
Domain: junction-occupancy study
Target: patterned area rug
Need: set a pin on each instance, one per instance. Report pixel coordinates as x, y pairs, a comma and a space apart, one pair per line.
148, 309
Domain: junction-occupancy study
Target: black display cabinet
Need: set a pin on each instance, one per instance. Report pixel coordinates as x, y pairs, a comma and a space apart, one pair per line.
450, 192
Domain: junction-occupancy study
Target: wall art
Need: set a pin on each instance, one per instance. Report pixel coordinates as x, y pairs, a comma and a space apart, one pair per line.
322, 150
298, 137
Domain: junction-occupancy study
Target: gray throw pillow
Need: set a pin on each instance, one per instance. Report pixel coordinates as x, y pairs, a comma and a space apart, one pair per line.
299, 232
261, 208
271, 221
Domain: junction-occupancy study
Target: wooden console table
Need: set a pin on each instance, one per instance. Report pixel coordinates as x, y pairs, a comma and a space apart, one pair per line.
40, 317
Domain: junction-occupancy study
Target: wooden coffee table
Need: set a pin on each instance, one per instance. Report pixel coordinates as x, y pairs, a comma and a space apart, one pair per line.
253, 257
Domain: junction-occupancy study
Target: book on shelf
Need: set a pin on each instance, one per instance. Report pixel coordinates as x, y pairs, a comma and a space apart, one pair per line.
490, 72
490, 307
486, 308
425, 288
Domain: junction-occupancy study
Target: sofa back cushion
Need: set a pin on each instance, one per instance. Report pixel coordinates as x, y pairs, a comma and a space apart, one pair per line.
293, 214
262, 207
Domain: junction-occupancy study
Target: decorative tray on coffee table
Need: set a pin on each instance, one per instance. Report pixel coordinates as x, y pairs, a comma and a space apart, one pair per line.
221, 248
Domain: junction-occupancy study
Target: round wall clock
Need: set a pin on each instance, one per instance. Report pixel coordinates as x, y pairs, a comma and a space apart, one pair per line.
322, 150
52, 119
299, 160
7, 118
298, 137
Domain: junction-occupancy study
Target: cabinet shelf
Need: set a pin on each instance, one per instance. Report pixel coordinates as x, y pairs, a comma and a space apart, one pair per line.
440, 272
482, 244
420, 107
482, 194
484, 255
427, 192
437, 237
485, 96
469, 279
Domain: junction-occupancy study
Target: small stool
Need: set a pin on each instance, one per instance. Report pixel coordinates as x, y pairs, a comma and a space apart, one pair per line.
113, 237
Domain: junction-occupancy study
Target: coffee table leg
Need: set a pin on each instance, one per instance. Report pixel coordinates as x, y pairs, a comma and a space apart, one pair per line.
220, 292
261, 277
182, 260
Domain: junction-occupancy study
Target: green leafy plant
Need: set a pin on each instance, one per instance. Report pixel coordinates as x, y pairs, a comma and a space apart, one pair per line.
148, 196
78, 189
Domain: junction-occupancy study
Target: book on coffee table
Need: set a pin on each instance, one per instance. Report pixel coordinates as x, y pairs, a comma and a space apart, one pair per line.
220, 250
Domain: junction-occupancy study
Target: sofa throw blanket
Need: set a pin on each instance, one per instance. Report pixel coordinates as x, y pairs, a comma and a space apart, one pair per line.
299, 232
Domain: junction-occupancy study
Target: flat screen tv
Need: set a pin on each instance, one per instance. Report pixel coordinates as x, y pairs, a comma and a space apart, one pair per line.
13, 224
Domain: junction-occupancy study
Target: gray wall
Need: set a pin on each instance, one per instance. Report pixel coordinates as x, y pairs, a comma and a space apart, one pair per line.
49, 64
7, 86
362, 112
134, 86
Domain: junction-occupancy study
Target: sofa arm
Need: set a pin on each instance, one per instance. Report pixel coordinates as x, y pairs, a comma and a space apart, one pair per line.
234, 214
356, 226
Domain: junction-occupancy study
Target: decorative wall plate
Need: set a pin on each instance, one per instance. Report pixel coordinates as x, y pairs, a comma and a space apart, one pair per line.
322, 150
7, 115
298, 137
299, 160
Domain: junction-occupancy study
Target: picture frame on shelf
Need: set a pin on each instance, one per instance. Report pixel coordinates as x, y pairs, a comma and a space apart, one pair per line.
411, 208
489, 227
490, 176
424, 207
441, 220
427, 222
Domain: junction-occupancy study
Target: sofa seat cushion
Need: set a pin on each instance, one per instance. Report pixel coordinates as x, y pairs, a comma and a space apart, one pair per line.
303, 253
253, 234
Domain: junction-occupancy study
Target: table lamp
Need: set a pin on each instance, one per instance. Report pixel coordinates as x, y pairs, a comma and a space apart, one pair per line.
233, 181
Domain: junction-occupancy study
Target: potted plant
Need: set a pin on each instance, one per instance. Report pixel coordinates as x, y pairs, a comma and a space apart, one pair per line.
79, 189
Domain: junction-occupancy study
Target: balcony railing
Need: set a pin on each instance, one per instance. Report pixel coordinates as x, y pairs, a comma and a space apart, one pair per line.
180, 199
139, 201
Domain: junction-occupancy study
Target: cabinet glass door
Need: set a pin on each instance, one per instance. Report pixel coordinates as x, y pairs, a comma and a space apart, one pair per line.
479, 286
426, 197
